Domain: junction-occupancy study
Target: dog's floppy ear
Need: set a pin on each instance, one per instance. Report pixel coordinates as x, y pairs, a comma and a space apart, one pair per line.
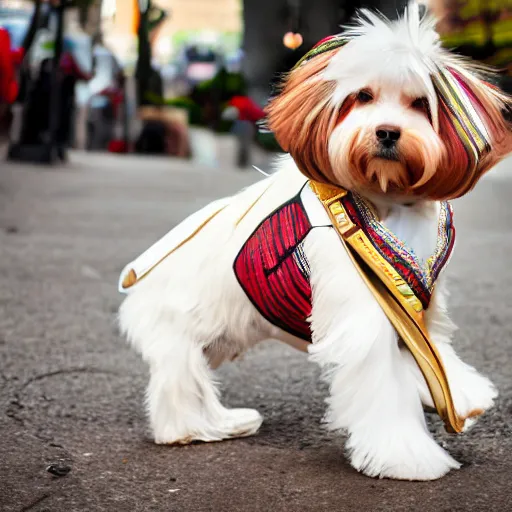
303, 116
473, 128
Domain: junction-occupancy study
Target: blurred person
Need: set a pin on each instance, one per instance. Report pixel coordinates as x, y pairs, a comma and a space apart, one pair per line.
104, 96
245, 113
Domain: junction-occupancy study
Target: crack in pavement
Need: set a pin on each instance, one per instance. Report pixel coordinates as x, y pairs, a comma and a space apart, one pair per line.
65, 371
35, 502
16, 404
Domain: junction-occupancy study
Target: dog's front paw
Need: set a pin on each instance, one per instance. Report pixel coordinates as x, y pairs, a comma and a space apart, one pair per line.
242, 422
404, 457
473, 394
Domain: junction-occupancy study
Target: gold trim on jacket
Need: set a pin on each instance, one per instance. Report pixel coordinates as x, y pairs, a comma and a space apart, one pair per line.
397, 300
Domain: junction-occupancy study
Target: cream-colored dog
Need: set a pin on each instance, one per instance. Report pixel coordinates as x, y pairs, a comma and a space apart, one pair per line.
371, 116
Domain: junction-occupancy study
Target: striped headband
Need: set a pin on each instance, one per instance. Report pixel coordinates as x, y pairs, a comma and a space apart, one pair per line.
325, 45
458, 101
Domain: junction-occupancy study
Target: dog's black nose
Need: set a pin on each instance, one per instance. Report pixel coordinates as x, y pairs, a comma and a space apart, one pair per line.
388, 136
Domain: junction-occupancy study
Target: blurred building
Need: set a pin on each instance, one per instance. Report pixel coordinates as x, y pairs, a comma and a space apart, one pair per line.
118, 25
190, 19
196, 15
187, 19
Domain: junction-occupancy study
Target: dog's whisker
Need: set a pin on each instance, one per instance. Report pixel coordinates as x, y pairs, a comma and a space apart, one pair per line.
261, 171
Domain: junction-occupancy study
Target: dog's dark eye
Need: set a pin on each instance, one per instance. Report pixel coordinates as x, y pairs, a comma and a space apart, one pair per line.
420, 104
364, 96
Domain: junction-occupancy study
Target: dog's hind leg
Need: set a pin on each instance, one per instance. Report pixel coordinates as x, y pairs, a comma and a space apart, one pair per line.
182, 398
183, 402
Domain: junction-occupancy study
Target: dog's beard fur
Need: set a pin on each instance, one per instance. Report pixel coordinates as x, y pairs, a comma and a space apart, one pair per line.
358, 164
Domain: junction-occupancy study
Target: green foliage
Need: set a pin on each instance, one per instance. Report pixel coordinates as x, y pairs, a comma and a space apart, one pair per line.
475, 33
193, 110
268, 141
480, 22
470, 8
227, 42
228, 84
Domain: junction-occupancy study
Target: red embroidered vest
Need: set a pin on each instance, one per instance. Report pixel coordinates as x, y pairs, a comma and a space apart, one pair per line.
273, 270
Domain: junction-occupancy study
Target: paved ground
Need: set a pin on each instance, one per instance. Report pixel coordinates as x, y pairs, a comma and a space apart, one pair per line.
71, 391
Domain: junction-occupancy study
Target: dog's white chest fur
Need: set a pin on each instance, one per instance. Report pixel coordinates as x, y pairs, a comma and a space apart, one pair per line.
416, 226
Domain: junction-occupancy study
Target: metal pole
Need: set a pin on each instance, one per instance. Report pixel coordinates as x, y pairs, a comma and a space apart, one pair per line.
56, 84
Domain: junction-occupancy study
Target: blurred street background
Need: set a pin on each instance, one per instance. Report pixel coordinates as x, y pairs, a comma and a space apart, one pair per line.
118, 118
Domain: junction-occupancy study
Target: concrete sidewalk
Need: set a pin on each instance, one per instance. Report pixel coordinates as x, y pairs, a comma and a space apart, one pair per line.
73, 436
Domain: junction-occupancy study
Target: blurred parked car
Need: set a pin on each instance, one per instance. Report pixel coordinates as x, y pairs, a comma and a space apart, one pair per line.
196, 63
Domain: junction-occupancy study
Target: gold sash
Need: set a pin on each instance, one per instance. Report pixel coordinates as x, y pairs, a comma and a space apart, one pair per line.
395, 297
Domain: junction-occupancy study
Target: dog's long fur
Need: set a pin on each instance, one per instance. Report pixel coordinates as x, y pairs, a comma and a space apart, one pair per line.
190, 310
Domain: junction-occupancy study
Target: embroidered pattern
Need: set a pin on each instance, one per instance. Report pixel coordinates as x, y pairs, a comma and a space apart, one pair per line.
273, 270
327, 44
302, 261
455, 98
421, 278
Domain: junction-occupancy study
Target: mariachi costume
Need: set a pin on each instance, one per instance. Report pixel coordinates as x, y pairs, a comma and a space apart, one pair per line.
274, 273
273, 269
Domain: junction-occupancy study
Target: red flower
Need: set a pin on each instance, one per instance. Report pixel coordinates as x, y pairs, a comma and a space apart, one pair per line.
247, 108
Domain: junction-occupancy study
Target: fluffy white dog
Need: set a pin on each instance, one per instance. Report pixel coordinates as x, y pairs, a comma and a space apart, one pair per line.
374, 110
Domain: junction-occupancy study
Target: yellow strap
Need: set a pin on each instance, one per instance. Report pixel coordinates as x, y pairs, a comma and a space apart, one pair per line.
396, 299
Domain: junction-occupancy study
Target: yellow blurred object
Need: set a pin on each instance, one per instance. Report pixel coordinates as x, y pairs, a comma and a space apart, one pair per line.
292, 40
175, 121
126, 16
135, 16
164, 114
